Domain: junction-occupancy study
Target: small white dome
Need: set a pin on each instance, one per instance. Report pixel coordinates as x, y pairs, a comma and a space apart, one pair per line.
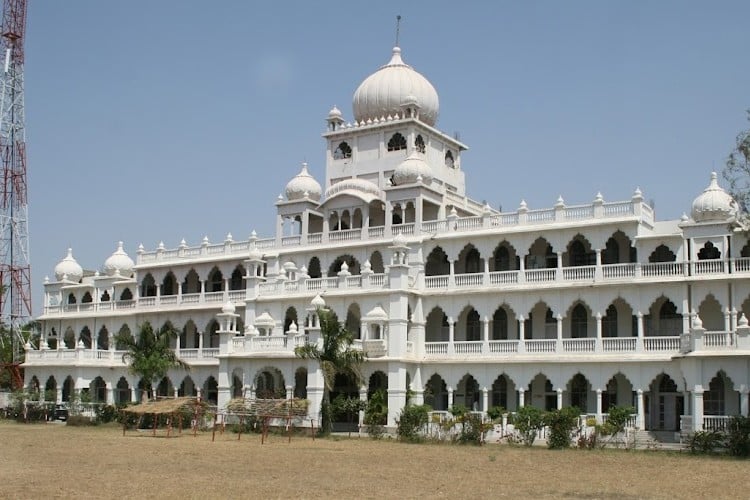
411, 169
303, 184
228, 308
69, 269
714, 204
255, 253
119, 261
377, 314
318, 302
399, 240
356, 186
265, 320
390, 88
334, 113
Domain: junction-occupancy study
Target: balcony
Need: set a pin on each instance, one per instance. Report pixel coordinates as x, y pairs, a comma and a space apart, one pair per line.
104, 357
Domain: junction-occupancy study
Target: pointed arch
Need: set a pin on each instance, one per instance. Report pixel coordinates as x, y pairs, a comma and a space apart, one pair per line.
352, 262
85, 337
436, 326
504, 258
468, 393
98, 390
397, 142
187, 387
541, 255
503, 392
437, 263
579, 389
102, 339
211, 390
469, 325
87, 299
269, 383
313, 268
436, 393
192, 283
662, 253
711, 314
353, 321
169, 285
148, 286
126, 295
619, 249
122, 391
237, 279
579, 252
709, 251
290, 316
663, 319
504, 324
300, 383
376, 262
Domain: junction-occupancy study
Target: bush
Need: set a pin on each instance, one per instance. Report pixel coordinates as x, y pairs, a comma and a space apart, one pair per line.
738, 437
528, 420
106, 414
80, 421
496, 412
706, 442
561, 424
473, 429
411, 421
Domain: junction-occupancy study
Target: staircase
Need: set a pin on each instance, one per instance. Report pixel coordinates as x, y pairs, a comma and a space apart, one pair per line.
656, 440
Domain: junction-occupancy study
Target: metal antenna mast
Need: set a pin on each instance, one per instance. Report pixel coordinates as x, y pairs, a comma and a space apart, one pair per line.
15, 270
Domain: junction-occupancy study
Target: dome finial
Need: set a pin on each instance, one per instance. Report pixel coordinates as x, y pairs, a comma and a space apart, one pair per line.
398, 28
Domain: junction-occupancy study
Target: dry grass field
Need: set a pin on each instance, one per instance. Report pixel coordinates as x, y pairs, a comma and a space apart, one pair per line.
56, 461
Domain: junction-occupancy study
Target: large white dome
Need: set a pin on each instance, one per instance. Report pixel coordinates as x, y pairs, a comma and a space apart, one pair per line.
386, 91
714, 204
119, 261
69, 269
303, 184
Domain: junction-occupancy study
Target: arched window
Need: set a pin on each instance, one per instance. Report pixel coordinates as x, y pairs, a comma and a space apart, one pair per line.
449, 159
713, 398
579, 322
169, 285
419, 144
579, 392
662, 253
126, 294
500, 325
104, 297
609, 322
313, 268
397, 142
237, 280
502, 259
215, 281
71, 298
86, 298
473, 326
148, 286
342, 151
611, 253
709, 251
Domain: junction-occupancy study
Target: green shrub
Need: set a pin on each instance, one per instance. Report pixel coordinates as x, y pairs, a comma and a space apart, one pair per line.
106, 414
738, 436
496, 412
561, 424
411, 421
473, 429
705, 442
528, 421
79, 421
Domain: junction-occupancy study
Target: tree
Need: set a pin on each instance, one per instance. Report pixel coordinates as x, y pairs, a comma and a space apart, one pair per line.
528, 421
737, 169
335, 356
150, 355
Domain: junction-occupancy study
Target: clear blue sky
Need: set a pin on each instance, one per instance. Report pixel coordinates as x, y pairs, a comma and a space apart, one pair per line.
158, 120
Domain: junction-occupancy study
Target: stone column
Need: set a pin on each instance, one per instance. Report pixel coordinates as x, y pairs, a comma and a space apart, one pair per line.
451, 335
598, 272
640, 421
560, 398
599, 413
697, 394
363, 398
521, 397
485, 399
486, 336
450, 397
598, 345
639, 341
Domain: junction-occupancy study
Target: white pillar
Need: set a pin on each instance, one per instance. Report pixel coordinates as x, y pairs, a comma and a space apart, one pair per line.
485, 399
450, 397
641, 418
560, 398
599, 406
744, 402
697, 408
521, 397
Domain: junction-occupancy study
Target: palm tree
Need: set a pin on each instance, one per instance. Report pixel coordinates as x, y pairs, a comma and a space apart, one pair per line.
150, 355
337, 356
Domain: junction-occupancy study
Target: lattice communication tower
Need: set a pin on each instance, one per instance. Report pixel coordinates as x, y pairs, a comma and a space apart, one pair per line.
15, 270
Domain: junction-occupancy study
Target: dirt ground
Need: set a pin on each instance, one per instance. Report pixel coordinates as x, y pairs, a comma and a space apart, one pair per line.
56, 461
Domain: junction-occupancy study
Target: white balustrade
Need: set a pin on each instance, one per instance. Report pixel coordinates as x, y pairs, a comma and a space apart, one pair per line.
436, 348
289, 241
661, 343
436, 282
579, 212
375, 232
714, 266
503, 277
268, 343
314, 238
741, 264
618, 209
468, 347
237, 295
468, 223
663, 269
345, 235
579, 345
147, 301
503, 346
469, 279
540, 346
540, 275
210, 352
715, 422
579, 273
188, 353
717, 339
354, 281
213, 297
618, 344
405, 229
542, 215
614, 271
190, 298
168, 300
377, 280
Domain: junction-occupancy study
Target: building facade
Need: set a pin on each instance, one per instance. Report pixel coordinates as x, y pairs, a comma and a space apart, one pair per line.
452, 301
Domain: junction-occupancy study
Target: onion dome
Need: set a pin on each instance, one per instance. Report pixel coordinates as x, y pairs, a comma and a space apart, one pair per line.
335, 113
714, 204
303, 185
356, 186
69, 268
411, 169
376, 314
119, 261
265, 320
228, 308
317, 302
393, 87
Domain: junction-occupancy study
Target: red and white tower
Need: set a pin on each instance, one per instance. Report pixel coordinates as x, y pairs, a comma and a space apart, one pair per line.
15, 300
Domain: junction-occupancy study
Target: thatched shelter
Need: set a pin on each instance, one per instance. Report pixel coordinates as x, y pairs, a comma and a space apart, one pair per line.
171, 407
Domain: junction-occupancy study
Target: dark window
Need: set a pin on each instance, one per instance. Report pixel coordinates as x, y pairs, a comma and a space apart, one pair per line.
662, 253
397, 142
609, 322
579, 322
709, 251
342, 151
419, 144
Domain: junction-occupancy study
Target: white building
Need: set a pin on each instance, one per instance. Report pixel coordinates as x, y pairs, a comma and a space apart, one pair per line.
453, 302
